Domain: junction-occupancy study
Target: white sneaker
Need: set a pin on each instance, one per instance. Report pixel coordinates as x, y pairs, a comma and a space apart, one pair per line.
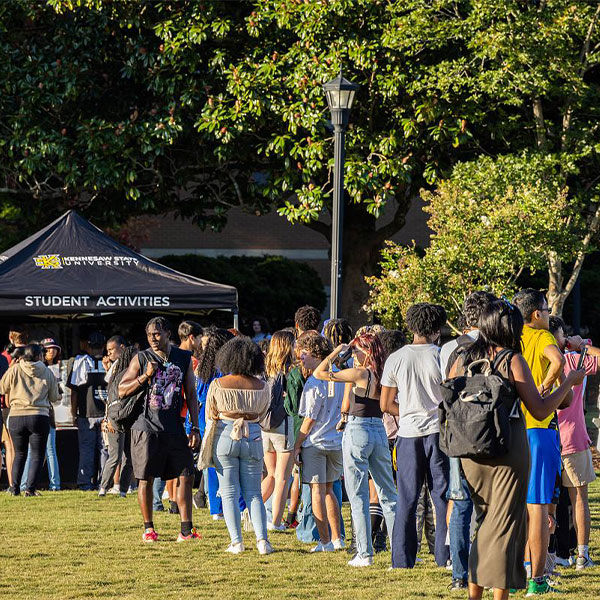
584, 562
339, 544
218, 518
264, 547
323, 547
361, 561
273, 527
565, 562
235, 548
114, 491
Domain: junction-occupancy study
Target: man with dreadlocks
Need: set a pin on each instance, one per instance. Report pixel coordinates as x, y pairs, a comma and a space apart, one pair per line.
413, 374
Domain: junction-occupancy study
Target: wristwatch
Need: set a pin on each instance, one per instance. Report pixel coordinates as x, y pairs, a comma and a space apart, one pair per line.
196, 429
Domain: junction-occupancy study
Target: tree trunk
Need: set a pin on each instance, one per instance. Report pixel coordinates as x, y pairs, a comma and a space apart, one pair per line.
558, 291
360, 256
362, 245
556, 298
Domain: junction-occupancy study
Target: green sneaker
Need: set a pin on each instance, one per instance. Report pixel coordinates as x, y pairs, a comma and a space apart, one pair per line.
544, 587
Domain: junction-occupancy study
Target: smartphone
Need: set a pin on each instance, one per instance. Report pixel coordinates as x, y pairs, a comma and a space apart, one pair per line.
345, 355
581, 360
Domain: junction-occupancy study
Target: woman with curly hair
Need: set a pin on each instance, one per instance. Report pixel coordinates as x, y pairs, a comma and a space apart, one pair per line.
236, 403
213, 339
278, 432
364, 443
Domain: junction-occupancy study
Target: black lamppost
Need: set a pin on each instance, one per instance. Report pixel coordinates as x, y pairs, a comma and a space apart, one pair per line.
340, 94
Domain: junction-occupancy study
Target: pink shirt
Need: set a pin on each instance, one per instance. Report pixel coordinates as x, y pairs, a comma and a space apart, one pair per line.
571, 421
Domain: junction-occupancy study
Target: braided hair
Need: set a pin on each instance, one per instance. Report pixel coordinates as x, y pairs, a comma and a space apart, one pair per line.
338, 331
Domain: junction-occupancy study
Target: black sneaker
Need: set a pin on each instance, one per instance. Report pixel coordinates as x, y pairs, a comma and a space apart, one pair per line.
199, 499
457, 584
379, 541
173, 508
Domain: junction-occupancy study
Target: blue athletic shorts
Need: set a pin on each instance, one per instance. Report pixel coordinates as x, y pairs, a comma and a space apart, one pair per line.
544, 477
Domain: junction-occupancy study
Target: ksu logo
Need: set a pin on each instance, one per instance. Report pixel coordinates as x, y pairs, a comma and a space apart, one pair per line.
48, 261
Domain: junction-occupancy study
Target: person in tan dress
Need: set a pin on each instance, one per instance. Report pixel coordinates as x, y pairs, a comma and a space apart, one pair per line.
498, 486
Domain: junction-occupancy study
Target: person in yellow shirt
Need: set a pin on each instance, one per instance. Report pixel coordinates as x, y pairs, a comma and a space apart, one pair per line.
546, 362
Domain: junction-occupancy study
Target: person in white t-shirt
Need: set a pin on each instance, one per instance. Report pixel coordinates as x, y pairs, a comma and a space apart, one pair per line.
413, 374
318, 447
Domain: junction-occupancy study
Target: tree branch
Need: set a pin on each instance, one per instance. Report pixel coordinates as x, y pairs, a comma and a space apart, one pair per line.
320, 227
540, 126
585, 50
587, 240
237, 188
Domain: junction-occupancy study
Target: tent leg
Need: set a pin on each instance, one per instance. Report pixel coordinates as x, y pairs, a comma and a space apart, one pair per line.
236, 321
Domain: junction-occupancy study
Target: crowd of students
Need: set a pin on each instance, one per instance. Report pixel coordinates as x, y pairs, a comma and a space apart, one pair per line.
312, 411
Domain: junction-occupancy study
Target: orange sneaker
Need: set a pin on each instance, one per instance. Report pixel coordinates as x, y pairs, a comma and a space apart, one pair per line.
194, 535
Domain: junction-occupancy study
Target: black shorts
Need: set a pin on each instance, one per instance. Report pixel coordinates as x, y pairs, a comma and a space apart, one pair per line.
164, 455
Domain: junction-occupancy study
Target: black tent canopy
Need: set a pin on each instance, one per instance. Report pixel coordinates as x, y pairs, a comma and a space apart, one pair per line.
72, 268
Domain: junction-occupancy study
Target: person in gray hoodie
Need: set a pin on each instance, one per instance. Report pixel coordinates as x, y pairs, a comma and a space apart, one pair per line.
29, 387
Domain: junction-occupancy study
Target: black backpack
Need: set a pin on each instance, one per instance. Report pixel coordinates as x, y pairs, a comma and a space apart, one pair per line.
276, 413
123, 412
476, 409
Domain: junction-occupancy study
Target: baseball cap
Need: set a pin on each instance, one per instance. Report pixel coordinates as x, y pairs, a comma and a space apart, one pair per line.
49, 343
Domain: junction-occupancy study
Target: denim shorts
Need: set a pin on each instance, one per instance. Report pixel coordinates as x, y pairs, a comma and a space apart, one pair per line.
276, 440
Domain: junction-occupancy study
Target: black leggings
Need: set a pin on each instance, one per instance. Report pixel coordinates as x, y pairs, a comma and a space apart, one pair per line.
28, 432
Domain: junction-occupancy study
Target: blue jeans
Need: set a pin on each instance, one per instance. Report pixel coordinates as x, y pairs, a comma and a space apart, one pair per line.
366, 450
307, 531
91, 445
51, 460
239, 469
460, 521
419, 458
158, 487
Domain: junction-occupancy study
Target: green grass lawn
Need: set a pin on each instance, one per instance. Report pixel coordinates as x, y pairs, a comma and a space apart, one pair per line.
76, 545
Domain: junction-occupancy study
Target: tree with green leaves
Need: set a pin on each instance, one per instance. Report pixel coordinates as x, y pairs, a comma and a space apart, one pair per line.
195, 107
492, 221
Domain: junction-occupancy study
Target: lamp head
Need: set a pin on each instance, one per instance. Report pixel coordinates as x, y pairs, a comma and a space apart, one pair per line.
340, 96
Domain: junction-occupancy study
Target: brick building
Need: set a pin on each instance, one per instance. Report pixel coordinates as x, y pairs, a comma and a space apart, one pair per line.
248, 235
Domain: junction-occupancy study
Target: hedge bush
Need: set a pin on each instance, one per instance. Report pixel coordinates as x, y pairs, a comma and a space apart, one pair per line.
271, 287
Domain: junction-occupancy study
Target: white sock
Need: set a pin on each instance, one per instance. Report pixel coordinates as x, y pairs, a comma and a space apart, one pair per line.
583, 550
